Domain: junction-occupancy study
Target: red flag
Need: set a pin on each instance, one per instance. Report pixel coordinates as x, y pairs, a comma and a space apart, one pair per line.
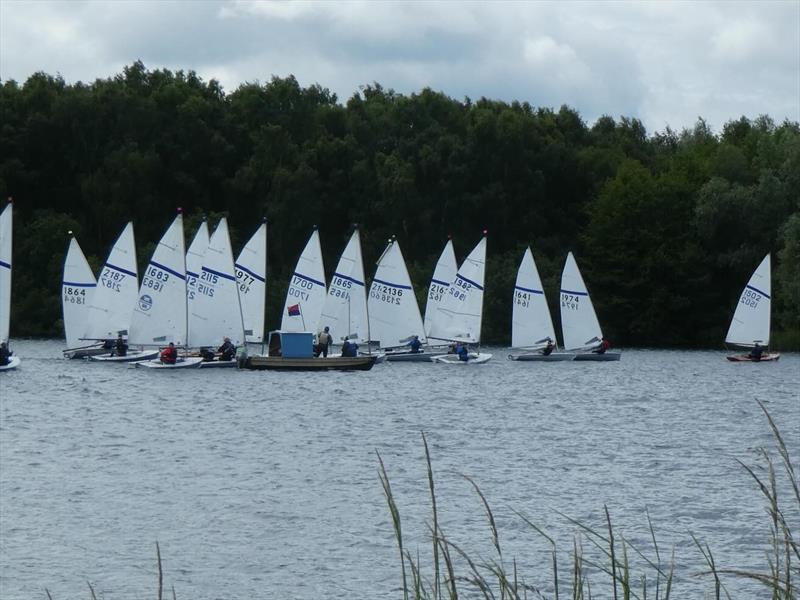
294, 310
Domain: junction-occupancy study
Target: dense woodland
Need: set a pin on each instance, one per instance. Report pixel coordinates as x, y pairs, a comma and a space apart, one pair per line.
667, 227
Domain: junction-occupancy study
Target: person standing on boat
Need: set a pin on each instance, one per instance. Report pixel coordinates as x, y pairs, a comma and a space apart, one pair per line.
5, 354
415, 344
548, 349
120, 347
756, 352
227, 350
169, 355
324, 341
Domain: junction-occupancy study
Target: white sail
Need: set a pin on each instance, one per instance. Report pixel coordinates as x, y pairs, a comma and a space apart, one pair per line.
251, 275
77, 289
531, 325
306, 294
117, 291
751, 320
345, 308
579, 323
215, 313
5, 272
459, 316
194, 259
159, 316
443, 275
394, 316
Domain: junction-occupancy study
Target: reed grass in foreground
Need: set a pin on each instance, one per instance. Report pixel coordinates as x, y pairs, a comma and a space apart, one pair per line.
455, 573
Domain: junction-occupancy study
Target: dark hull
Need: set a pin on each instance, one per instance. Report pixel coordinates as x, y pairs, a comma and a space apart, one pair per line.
591, 356
338, 363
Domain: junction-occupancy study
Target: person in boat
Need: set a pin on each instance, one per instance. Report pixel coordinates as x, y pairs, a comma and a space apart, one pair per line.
207, 354
463, 353
120, 347
108, 344
415, 344
604, 345
324, 341
548, 349
5, 354
349, 349
756, 352
169, 355
227, 351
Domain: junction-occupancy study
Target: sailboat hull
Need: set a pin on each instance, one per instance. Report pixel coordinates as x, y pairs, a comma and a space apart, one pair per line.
539, 357
84, 351
13, 363
412, 356
183, 363
594, 357
453, 359
129, 357
747, 358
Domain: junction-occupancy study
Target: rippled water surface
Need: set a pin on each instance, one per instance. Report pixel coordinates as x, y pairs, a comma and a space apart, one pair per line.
265, 485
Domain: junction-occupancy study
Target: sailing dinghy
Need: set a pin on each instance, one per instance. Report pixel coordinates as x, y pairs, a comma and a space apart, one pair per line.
251, 275
5, 284
77, 288
306, 294
750, 325
579, 324
531, 324
345, 308
112, 303
215, 313
459, 316
394, 317
160, 314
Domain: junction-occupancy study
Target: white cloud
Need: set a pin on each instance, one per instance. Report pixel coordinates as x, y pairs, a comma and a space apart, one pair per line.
662, 62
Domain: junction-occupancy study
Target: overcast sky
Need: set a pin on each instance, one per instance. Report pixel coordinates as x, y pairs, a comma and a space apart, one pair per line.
666, 63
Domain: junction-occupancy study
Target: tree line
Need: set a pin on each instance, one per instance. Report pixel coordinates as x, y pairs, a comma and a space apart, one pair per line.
666, 227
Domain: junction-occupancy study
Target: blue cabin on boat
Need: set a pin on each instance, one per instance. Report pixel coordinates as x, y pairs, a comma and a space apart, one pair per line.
291, 344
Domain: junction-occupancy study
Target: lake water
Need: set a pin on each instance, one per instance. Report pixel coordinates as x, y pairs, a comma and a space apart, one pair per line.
265, 485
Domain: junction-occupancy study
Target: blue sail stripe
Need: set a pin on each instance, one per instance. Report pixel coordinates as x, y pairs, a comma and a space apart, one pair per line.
5, 264
195, 275
522, 289
121, 270
73, 284
304, 277
249, 272
390, 284
346, 278
755, 289
219, 274
168, 270
575, 293
462, 278
444, 283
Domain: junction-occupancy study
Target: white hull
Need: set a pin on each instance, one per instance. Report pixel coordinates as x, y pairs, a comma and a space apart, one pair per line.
14, 362
453, 359
183, 363
539, 357
129, 357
